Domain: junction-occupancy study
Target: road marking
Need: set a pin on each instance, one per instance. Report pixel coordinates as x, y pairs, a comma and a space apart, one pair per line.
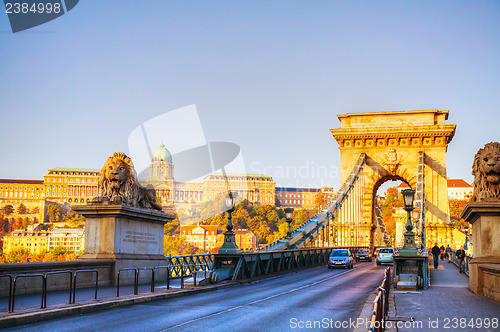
264, 299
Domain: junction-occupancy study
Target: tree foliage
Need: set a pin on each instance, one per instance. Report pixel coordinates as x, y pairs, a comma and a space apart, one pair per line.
23, 255
22, 209
456, 207
171, 228
8, 210
177, 245
266, 221
53, 212
73, 220
391, 201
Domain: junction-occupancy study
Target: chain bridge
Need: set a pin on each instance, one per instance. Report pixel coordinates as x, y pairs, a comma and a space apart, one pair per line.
376, 147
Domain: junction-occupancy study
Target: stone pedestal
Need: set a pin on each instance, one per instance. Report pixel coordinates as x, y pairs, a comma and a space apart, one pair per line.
484, 268
131, 236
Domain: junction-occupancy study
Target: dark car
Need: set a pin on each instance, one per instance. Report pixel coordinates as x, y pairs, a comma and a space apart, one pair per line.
340, 258
363, 255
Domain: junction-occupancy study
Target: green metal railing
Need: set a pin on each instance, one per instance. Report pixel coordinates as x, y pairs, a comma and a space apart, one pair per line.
186, 264
256, 264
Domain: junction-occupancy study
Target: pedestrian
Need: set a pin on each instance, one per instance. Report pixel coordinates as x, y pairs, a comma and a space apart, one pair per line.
435, 251
460, 254
447, 253
441, 249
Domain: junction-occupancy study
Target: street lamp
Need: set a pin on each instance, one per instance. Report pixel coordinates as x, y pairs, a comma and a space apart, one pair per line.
409, 248
229, 246
289, 219
229, 204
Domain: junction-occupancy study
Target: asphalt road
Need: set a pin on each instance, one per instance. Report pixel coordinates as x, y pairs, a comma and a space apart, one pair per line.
289, 302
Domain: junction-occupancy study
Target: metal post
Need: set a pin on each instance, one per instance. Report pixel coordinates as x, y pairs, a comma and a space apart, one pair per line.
168, 277
194, 276
182, 276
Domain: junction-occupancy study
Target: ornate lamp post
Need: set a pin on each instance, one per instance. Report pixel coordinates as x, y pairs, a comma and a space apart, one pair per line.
409, 248
289, 219
229, 246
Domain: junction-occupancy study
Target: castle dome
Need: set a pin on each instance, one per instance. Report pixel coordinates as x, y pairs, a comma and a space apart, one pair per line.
162, 154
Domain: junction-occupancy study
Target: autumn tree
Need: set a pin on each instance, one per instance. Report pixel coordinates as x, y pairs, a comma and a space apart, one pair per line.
172, 228
73, 220
8, 210
53, 212
19, 255
320, 200
17, 224
22, 209
177, 245
456, 207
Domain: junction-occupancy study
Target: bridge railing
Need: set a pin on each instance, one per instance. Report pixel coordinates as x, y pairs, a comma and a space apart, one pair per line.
177, 267
256, 264
381, 304
455, 261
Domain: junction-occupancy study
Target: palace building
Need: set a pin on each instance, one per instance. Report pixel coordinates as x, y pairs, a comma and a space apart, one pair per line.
71, 185
28, 192
256, 188
302, 197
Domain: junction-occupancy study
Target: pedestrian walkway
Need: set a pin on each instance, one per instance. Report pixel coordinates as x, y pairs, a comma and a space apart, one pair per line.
446, 305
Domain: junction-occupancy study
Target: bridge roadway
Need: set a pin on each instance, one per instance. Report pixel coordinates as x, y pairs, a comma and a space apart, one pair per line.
276, 304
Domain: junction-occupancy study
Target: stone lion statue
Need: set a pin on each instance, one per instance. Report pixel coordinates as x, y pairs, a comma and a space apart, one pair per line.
118, 184
486, 171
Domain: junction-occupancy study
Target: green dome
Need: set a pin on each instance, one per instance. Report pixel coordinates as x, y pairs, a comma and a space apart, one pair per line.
162, 154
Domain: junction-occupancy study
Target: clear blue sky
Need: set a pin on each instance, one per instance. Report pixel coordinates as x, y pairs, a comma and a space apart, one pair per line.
270, 76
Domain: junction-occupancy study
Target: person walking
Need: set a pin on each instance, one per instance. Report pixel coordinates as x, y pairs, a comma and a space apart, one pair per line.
460, 254
447, 254
435, 251
442, 252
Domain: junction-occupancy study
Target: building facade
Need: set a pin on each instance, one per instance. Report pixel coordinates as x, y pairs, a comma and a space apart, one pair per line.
31, 193
245, 239
71, 185
203, 237
304, 198
256, 188
40, 241
35, 242
69, 238
457, 189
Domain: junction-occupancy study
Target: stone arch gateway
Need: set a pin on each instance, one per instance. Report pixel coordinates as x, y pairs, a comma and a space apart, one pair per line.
395, 143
